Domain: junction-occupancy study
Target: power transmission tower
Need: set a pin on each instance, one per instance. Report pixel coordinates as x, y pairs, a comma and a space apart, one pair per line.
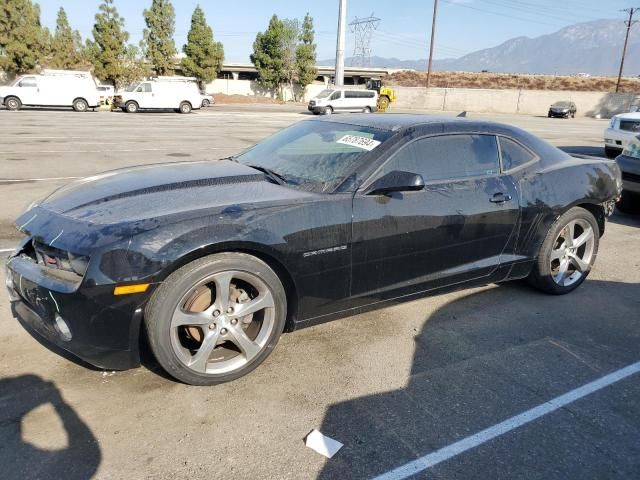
629, 23
363, 29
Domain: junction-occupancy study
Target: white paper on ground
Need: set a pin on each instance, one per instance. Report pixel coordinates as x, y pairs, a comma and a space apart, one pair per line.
322, 444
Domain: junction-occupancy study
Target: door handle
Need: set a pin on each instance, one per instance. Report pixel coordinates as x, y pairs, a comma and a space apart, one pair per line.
500, 198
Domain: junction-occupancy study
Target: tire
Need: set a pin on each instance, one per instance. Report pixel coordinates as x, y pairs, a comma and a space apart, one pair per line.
80, 105
205, 103
131, 107
190, 290
13, 103
366, 110
383, 103
327, 111
547, 274
611, 152
185, 107
629, 202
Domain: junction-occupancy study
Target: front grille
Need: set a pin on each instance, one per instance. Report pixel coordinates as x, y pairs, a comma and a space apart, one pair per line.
631, 177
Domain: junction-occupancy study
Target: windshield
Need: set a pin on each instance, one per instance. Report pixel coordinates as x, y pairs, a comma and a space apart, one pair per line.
562, 104
324, 93
315, 155
131, 87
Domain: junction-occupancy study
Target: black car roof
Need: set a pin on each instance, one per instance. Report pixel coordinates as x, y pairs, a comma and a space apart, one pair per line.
399, 121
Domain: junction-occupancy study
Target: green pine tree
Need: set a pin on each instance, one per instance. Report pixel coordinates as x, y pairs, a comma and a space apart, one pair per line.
108, 49
204, 56
160, 50
66, 44
269, 56
23, 41
306, 54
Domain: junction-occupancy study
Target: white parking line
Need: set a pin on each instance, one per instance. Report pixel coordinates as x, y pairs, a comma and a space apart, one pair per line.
6, 250
461, 446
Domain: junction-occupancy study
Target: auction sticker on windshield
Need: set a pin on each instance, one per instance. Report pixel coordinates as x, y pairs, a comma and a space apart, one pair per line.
360, 142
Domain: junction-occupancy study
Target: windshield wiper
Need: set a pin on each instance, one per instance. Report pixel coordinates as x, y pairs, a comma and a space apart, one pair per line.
275, 177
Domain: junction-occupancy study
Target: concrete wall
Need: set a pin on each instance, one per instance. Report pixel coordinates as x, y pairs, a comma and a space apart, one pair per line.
530, 102
250, 87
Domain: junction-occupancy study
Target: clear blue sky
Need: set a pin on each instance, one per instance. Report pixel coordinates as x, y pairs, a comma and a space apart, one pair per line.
463, 25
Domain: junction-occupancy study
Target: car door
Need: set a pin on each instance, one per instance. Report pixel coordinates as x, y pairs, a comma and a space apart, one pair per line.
145, 96
28, 91
454, 230
336, 101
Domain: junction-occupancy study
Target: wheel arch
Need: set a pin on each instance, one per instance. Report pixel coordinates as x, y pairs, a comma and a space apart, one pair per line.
4, 101
256, 250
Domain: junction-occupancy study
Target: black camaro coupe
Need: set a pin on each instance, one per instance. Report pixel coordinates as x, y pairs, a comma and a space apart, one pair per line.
212, 260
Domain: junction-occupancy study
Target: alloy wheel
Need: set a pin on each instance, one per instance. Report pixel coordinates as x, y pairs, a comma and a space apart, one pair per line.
573, 252
223, 322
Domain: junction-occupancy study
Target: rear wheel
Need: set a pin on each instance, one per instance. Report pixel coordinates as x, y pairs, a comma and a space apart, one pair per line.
567, 254
80, 105
611, 152
629, 202
217, 318
13, 103
205, 103
185, 107
366, 110
131, 107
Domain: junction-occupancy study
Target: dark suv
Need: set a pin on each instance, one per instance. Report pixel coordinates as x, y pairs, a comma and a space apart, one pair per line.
562, 110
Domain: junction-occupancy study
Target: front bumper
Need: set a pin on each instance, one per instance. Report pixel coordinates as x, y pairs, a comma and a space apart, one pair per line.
630, 168
86, 321
316, 109
553, 113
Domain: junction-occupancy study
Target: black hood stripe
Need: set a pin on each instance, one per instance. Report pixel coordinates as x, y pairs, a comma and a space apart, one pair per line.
201, 182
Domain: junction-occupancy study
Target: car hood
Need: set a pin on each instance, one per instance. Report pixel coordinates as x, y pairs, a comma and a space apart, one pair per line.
141, 198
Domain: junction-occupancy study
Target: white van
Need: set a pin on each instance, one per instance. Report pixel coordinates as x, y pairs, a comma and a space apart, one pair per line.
178, 93
344, 100
52, 88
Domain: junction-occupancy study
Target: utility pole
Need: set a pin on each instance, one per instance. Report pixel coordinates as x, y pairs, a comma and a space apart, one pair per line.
629, 23
433, 35
342, 27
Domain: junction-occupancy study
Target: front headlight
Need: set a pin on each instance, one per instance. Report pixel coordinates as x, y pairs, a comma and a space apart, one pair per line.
79, 263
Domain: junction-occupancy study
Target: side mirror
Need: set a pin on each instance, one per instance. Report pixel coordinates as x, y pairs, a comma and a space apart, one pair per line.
396, 181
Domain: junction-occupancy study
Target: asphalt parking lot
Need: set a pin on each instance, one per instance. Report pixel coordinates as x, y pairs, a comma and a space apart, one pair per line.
394, 385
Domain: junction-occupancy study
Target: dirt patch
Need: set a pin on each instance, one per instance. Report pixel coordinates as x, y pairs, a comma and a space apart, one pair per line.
512, 81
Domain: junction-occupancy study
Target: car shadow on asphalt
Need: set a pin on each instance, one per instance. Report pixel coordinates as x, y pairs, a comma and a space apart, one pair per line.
19, 458
486, 357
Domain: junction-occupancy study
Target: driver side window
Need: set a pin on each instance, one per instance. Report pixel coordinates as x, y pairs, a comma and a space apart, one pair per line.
28, 82
448, 157
335, 96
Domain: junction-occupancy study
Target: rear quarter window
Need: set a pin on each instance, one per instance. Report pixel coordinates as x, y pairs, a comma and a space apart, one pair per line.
513, 154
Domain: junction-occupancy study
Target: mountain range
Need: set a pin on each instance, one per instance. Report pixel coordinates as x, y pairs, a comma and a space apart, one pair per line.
591, 47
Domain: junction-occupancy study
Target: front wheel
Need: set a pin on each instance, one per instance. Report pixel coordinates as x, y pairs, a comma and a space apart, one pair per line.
383, 103
185, 107
328, 111
131, 107
567, 254
217, 318
13, 103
